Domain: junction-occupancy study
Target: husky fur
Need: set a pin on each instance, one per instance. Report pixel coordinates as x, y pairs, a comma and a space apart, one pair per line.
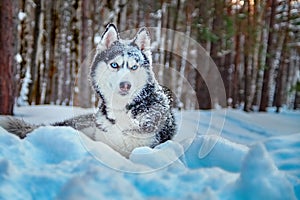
134, 110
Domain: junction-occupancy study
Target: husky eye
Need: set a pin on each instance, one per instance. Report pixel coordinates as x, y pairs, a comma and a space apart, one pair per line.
134, 67
114, 65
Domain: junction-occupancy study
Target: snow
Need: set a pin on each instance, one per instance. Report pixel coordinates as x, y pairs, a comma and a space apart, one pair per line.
22, 99
97, 39
219, 154
21, 15
18, 58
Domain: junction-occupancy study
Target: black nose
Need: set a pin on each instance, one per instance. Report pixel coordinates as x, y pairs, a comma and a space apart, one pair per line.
125, 86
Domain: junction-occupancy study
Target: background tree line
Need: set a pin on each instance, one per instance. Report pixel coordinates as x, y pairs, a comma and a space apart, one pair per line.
254, 43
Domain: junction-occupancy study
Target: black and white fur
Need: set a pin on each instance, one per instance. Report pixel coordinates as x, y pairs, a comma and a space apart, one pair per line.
134, 110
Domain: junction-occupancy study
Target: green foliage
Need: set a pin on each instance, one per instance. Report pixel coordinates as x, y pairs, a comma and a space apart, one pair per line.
207, 35
263, 67
229, 27
229, 30
296, 87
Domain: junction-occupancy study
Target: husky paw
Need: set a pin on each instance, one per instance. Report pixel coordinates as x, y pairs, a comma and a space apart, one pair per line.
148, 126
102, 123
150, 122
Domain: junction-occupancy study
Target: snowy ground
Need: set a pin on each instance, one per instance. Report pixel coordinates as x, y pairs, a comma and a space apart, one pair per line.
221, 154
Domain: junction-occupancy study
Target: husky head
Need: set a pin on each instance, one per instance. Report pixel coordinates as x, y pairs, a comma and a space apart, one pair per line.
121, 68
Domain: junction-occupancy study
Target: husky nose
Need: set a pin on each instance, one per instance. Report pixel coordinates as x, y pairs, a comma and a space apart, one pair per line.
125, 86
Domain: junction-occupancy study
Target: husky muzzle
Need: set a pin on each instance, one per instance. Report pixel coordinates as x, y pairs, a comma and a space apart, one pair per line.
124, 87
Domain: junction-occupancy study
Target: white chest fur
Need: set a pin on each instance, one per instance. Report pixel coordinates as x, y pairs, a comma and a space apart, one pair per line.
123, 136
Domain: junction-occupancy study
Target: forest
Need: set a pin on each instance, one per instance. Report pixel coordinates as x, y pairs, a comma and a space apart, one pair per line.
46, 47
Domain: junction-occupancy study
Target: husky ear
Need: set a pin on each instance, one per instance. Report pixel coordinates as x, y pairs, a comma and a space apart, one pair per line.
109, 36
143, 40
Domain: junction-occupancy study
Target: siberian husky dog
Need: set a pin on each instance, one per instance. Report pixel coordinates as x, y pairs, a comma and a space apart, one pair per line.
134, 110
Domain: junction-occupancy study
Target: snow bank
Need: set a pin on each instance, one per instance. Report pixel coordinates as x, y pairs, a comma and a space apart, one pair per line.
245, 162
260, 178
225, 154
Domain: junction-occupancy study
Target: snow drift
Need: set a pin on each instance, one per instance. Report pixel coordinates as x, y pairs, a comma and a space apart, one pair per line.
249, 156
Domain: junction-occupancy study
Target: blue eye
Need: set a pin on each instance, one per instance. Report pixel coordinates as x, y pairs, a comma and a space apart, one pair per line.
114, 65
134, 67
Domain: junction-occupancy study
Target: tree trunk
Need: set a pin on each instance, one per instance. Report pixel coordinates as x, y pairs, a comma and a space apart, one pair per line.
264, 102
235, 79
185, 51
283, 65
297, 97
33, 86
83, 85
216, 45
50, 44
7, 84
247, 103
247, 58
202, 93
